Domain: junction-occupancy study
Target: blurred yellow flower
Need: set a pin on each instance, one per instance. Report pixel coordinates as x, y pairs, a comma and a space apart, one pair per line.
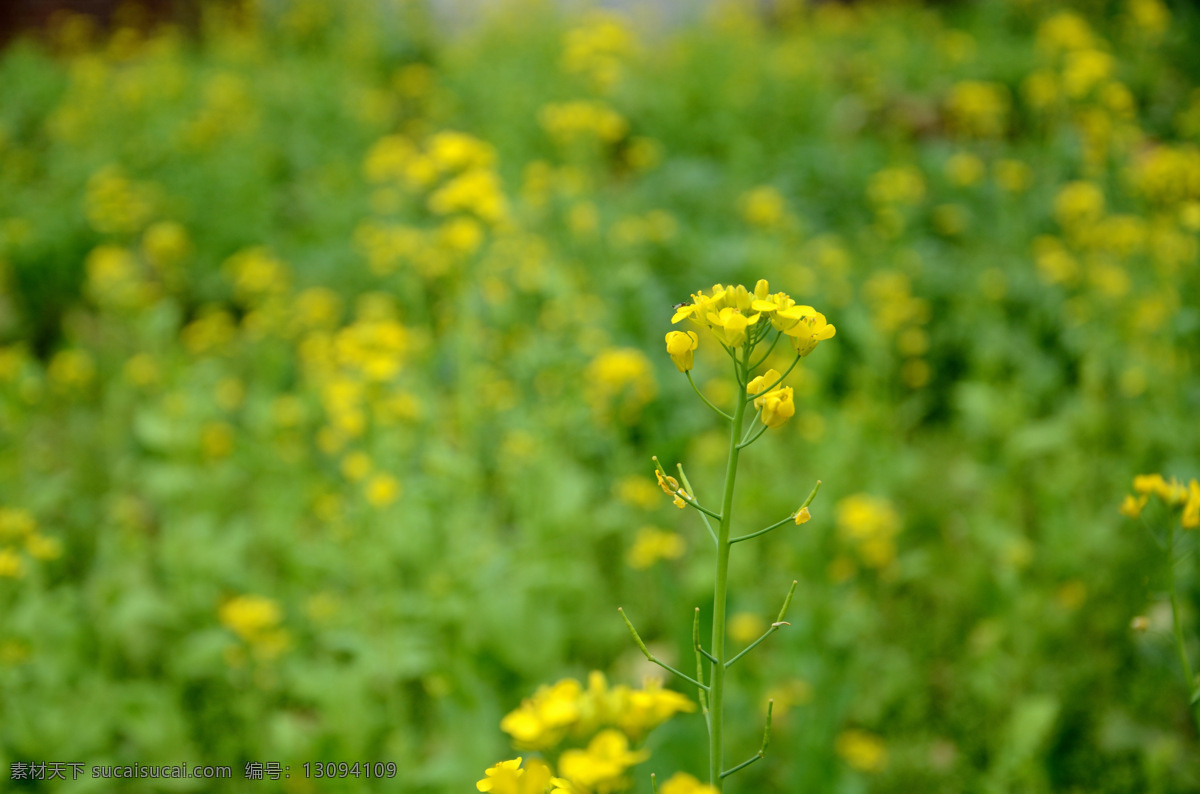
166, 245
653, 544
117, 205
16, 522
1086, 69
1191, 509
597, 49
1079, 204
903, 185
11, 564
636, 492
568, 122
455, 151
870, 523
746, 627
477, 191
979, 109
964, 169
71, 370
356, 466
1013, 176
142, 370
620, 381
603, 764
864, 751
764, 207
1149, 16
1063, 31
543, 720
683, 783
382, 490
216, 440
43, 547
257, 275
250, 617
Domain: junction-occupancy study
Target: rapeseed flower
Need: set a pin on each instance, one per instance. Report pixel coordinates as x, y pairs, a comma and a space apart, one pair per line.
683, 783
602, 766
543, 720
681, 346
1191, 509
810, 329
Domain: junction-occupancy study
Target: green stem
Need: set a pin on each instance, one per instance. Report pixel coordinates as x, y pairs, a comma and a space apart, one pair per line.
1193, 688
716, 687
776, 525
753, 438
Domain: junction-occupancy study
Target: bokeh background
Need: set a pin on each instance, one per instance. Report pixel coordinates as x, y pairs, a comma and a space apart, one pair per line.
331, 366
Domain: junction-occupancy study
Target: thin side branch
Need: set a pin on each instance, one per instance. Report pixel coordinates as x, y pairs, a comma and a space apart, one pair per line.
759, 363
756, 436
776, 626
652, 658
762, 752
699, 664
776, 525
707, 401
754, 397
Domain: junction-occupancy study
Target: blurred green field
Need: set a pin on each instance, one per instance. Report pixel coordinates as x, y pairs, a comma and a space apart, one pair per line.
331, 367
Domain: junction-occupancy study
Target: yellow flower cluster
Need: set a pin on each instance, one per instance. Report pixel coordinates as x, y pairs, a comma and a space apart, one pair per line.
567, 709
255, 620
257, 276
621, 383
1172, 493
116, 205
1168, 175
18, 529
455, 174
116, 279
901, 316
509, 777
764, 207
568, 122
900, 185
71, 370
597, 49
683, 783
979, 109
609, 720
732, 315
870, 524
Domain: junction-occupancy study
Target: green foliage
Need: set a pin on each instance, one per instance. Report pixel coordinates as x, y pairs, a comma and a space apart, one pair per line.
325, 435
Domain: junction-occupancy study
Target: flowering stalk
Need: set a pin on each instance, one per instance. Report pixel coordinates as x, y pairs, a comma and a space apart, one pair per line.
740, 320
1185, 664
1183, 505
